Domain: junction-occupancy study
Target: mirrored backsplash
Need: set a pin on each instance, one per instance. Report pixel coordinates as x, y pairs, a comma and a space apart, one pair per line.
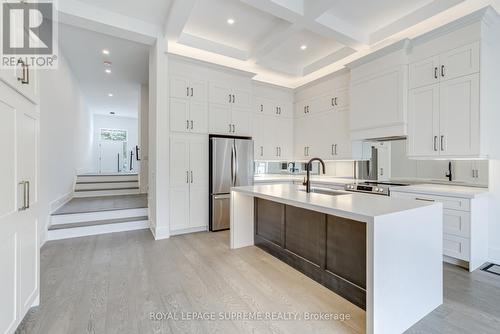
392, 164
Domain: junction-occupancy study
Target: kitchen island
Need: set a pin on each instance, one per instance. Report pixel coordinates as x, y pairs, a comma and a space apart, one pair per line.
381, 253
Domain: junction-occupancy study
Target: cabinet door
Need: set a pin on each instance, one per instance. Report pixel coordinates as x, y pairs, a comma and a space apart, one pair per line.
460, 61
242, 98
262, 105
179, 87
423, 121
179, 115
179, 207
459, 116
219, 93
198, 115
285, 109
198, 193
302, 128
301, 108
341, 98
482, 171
219, 119
179, 161
285, 137
324, 137
242, 121
343, 148
425, 72
258, 136
198, 90
270, 140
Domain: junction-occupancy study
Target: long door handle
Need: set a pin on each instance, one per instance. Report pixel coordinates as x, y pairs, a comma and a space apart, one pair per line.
435, 143
137, 153
442, 143
118, 163
24, 207
27, 194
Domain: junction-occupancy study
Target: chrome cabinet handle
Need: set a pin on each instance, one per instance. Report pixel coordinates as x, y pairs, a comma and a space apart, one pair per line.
187, 124
333, 145
435, 143
230, 98
277, 151
305, 151
424, 199
192, 92
234, 99
435, 72
279, 109
443, 73
230, 128
25, 78
333, 102
335, 149
187, 176
27, 194
192, 178
187, 91
279, 148
262, 151
24, 207
234, 128
336, 104
261, 107
442, 143
192, 124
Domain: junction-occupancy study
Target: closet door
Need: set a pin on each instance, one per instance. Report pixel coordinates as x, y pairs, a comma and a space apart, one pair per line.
198, 182
179, 182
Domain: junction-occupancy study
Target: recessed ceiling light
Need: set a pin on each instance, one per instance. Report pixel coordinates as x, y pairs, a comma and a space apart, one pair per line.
230, 21
303, 47
108, 71
105, 52
110, 94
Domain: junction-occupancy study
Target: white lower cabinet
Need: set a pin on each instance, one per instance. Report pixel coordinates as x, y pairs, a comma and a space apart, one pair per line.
188, 183
465, 227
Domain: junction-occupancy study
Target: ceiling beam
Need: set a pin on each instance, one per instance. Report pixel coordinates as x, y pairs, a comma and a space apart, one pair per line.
413, 18
178, 16
330, 59
211, 46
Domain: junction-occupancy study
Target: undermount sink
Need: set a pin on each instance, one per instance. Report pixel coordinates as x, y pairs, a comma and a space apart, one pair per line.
324, 191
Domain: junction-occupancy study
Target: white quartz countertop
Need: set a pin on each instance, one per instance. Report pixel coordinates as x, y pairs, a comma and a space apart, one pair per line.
443, 190
356, 206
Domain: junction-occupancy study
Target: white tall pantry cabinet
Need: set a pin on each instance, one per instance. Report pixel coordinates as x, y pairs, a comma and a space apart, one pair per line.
19, 239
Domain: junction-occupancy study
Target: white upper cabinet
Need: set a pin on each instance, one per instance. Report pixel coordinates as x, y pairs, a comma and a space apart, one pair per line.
24, 79
188, 105
230, 109
183, 87
454, 96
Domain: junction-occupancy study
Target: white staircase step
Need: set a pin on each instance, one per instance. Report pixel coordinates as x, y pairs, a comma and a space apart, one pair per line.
106, 192
97, 227
106, 185
106, 177
73, 218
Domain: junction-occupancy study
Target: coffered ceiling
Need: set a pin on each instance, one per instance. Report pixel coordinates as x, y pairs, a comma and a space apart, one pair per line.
288, 42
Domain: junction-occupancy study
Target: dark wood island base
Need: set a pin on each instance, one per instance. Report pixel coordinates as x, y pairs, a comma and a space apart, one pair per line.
329, 249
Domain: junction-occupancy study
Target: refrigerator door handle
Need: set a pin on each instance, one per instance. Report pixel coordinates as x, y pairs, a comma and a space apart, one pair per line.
236, 167
233, 166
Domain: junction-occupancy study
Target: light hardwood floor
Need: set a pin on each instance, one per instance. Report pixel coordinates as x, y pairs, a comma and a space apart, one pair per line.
110, 284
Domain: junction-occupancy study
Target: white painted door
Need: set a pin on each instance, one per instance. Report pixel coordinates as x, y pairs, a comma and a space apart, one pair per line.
19, 252
460, 61
179, 87
220, 119
198, 187
110, 156
198, 115
459, 116
219, 93
179, 182
198, 90
242, 121
425, 72
179, 115
423, 121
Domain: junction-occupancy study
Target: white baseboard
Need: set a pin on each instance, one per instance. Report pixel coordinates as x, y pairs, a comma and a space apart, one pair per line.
95, 230
160, 233
57, 203
189, 230
494, 255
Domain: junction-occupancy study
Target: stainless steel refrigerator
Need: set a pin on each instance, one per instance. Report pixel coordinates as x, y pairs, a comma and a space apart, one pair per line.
231, 165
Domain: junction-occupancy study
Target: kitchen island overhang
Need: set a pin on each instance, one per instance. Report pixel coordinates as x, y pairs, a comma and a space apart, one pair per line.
404, 277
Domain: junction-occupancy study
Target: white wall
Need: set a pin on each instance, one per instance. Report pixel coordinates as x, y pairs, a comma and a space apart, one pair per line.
494, 216
144, 138
65, 137
115, 122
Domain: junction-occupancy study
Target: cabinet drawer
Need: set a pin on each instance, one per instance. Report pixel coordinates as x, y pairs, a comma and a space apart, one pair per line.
456, 247
452, 203
456, 223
